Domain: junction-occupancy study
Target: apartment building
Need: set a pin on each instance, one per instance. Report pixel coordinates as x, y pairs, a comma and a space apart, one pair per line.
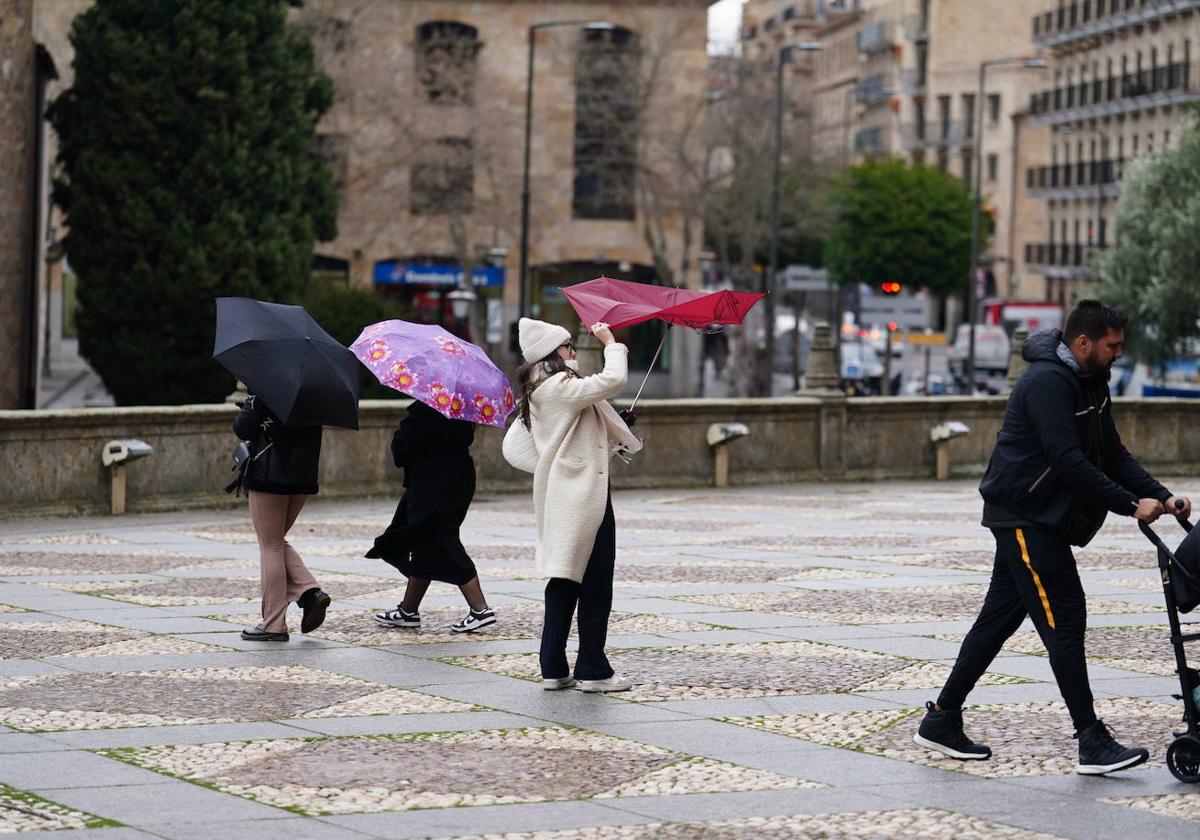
901, 78
1119, 72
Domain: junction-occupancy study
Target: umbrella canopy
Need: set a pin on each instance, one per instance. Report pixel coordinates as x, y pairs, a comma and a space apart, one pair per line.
454, 377
621, 303
300, 371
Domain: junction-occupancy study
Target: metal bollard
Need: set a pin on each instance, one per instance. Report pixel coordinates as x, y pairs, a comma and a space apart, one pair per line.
720, 435
115, 455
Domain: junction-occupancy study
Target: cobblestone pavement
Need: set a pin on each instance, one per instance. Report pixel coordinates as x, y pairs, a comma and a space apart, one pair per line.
782, 641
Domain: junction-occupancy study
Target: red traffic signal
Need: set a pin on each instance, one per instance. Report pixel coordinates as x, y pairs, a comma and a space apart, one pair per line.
890, 288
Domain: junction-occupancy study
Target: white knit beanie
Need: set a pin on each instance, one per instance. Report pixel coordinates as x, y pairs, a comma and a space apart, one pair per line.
539, 339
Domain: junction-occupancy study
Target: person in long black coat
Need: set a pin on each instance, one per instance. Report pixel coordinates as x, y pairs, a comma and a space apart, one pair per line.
423, 540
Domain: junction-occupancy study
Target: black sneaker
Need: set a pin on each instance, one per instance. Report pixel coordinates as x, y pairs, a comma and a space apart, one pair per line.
314, 602
943, 732
475, 621
1099, 752
399, 617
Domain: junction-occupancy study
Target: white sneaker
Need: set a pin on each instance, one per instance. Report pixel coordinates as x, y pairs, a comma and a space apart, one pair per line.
557, 683
613, 683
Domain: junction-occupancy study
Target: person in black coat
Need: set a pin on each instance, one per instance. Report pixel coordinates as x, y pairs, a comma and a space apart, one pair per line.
423, 540
1058, 468
279, 477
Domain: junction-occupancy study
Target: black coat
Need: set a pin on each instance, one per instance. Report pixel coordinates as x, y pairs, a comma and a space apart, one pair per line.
1059, 462
285, 458
439, 482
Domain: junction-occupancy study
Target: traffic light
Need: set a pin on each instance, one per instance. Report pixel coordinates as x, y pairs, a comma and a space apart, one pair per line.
890, 287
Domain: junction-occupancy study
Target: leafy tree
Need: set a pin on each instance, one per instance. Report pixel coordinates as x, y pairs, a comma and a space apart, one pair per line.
909, 224
186, 174
1151, 274
343, 312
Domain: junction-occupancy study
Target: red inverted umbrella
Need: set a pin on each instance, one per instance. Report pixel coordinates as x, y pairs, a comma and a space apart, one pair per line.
621, 303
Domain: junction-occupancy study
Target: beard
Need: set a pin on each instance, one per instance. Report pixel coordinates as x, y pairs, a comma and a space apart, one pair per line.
1096, 368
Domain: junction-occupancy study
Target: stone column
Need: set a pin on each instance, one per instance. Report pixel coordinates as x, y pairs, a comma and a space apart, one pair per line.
1016, 364
588, 352
821, 376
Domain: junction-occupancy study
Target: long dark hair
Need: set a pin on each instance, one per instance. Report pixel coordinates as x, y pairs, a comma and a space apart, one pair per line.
527, 384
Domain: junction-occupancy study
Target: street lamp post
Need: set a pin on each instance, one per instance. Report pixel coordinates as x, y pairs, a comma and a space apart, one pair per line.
769, 278
977, 199
523, 279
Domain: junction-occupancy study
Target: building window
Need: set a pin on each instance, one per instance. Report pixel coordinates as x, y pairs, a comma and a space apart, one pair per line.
944, 116
789, 13
968, 102
768, 24
994, 107
606, 124
943, 159
445, 55
442, 179
967, 160
750, 33
993, 167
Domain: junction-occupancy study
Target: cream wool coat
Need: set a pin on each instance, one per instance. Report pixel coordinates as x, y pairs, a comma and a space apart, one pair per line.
574, 432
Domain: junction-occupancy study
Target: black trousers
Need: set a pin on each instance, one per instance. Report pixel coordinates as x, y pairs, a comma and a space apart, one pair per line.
1034, 575
594, 598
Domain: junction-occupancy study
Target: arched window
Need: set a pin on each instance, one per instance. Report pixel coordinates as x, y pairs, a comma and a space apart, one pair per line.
606, 124
445, 53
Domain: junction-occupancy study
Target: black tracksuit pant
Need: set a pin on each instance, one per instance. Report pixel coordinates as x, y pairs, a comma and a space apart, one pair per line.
1035, 575
594, 598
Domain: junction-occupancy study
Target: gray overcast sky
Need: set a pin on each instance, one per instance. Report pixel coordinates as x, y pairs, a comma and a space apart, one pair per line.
723, 23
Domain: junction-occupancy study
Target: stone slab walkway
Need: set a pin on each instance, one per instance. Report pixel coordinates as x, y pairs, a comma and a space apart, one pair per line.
783, 640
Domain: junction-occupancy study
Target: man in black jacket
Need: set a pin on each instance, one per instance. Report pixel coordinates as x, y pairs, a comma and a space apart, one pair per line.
1057, 469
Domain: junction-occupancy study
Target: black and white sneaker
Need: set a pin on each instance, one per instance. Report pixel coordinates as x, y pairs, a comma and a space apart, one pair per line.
399, 617
475, 621
1099, 752
942, 731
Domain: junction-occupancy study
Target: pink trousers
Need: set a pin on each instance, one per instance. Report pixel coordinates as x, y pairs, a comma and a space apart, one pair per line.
283, 575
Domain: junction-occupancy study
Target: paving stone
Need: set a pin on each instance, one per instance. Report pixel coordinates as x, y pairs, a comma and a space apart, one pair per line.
448, 769
101, 563
205, 591
1142, 648
203, 695
866, 606
762, 669
24, 811
876, 825
1184, 806
1026, 739
37, 640
518, 621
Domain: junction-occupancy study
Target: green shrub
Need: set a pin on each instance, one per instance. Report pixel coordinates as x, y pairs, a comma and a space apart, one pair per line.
343, 312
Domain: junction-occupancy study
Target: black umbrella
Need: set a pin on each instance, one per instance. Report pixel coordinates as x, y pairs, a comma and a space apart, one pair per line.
300, 371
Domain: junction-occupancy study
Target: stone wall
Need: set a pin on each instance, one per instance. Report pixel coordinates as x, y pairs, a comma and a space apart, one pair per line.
17, 138
51, 460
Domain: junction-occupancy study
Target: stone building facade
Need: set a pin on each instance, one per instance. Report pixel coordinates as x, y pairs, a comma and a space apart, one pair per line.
1120, 72
426, 137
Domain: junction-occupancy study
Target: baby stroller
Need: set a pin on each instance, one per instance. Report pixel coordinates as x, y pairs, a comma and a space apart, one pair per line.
1181, 588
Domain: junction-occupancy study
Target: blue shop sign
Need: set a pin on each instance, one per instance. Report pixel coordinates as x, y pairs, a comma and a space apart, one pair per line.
392, 273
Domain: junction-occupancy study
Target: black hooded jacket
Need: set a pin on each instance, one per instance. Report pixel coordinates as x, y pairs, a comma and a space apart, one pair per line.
1058, 461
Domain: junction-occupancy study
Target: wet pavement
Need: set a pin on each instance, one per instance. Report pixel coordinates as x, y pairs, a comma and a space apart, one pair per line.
782, 640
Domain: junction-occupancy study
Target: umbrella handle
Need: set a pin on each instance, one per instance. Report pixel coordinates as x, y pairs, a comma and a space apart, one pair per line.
653, 361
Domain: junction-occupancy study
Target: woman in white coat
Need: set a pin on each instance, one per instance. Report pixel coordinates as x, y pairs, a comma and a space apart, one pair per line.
565, 434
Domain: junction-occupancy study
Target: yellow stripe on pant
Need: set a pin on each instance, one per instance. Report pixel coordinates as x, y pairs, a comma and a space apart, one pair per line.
1037, 581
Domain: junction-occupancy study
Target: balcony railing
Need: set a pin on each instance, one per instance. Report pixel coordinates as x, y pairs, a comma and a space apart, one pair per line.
1086, 18
1081, 175
1119, 92
873, 91
1062, 254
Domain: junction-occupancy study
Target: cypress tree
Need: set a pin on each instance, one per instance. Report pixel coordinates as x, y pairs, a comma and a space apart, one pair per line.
186, 172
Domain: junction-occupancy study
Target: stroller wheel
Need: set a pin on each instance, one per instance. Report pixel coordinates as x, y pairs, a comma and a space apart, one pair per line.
1183, 759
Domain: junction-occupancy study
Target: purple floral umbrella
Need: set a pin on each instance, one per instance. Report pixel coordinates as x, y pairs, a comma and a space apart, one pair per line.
451, 376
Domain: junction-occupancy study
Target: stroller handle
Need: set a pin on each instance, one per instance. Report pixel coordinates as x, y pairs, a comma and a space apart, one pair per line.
1154, 537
